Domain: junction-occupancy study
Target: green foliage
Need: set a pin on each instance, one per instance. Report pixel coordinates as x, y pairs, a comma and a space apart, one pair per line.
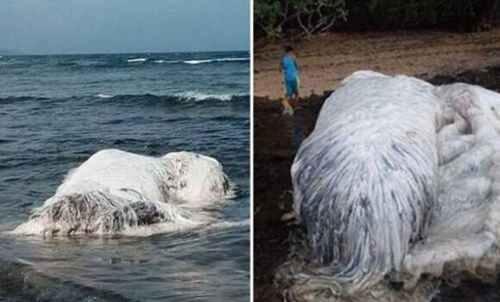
311, 16
404, 14
276, 17
315, 16
268, 16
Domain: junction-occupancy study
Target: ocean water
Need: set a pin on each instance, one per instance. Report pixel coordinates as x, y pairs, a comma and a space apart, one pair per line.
56, 111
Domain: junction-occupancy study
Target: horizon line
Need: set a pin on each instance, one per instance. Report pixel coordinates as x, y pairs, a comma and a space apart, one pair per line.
21, 53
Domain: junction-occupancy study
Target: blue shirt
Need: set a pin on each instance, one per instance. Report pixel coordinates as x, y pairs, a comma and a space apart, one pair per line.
290, 69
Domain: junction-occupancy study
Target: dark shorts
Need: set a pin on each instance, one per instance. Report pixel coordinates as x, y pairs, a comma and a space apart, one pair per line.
292, 87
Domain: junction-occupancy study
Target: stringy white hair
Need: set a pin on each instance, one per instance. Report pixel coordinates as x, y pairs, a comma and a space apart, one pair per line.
117, 192
398, 179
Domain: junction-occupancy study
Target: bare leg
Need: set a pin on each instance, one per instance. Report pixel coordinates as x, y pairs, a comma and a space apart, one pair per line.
296, 97
287, 108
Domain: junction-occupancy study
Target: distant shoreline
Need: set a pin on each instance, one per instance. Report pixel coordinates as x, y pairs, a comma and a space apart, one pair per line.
123, 53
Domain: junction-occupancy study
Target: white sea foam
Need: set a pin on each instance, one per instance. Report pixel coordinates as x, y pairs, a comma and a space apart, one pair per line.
232, 59
200, 61
194, 62
104, 96
199, 96
230, 224
137, 60
167, 61
185, 226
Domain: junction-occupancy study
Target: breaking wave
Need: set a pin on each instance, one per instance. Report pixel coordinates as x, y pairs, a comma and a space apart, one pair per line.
189, 62
195, 62
189, 96
137, 60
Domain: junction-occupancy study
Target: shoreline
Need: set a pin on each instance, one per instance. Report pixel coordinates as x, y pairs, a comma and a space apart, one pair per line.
328, 58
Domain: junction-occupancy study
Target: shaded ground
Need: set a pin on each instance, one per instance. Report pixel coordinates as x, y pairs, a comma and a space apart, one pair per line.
276, 140
328, 58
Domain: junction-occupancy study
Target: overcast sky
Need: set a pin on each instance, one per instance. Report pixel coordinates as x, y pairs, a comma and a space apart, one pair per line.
103, 26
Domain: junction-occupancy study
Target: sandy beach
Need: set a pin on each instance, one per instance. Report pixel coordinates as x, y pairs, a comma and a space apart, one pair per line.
326, 59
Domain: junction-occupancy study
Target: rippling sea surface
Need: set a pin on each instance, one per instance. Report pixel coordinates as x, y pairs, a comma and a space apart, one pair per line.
56, 111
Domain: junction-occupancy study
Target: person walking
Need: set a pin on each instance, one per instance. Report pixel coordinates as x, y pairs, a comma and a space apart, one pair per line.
290, 71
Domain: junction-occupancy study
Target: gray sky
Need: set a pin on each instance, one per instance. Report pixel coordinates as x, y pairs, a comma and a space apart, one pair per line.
101, 26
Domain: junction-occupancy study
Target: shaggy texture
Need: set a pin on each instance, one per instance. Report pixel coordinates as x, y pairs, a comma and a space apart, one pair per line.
118, 192
398, 179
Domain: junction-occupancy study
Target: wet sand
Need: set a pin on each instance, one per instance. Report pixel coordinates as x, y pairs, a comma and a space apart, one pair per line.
277, 138
328, 58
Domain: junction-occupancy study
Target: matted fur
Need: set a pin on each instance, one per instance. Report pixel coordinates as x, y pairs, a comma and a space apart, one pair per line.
115, 192
399, 183
364, 179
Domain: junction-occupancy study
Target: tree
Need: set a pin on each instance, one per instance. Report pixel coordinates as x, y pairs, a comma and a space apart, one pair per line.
314, 16
269, 16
